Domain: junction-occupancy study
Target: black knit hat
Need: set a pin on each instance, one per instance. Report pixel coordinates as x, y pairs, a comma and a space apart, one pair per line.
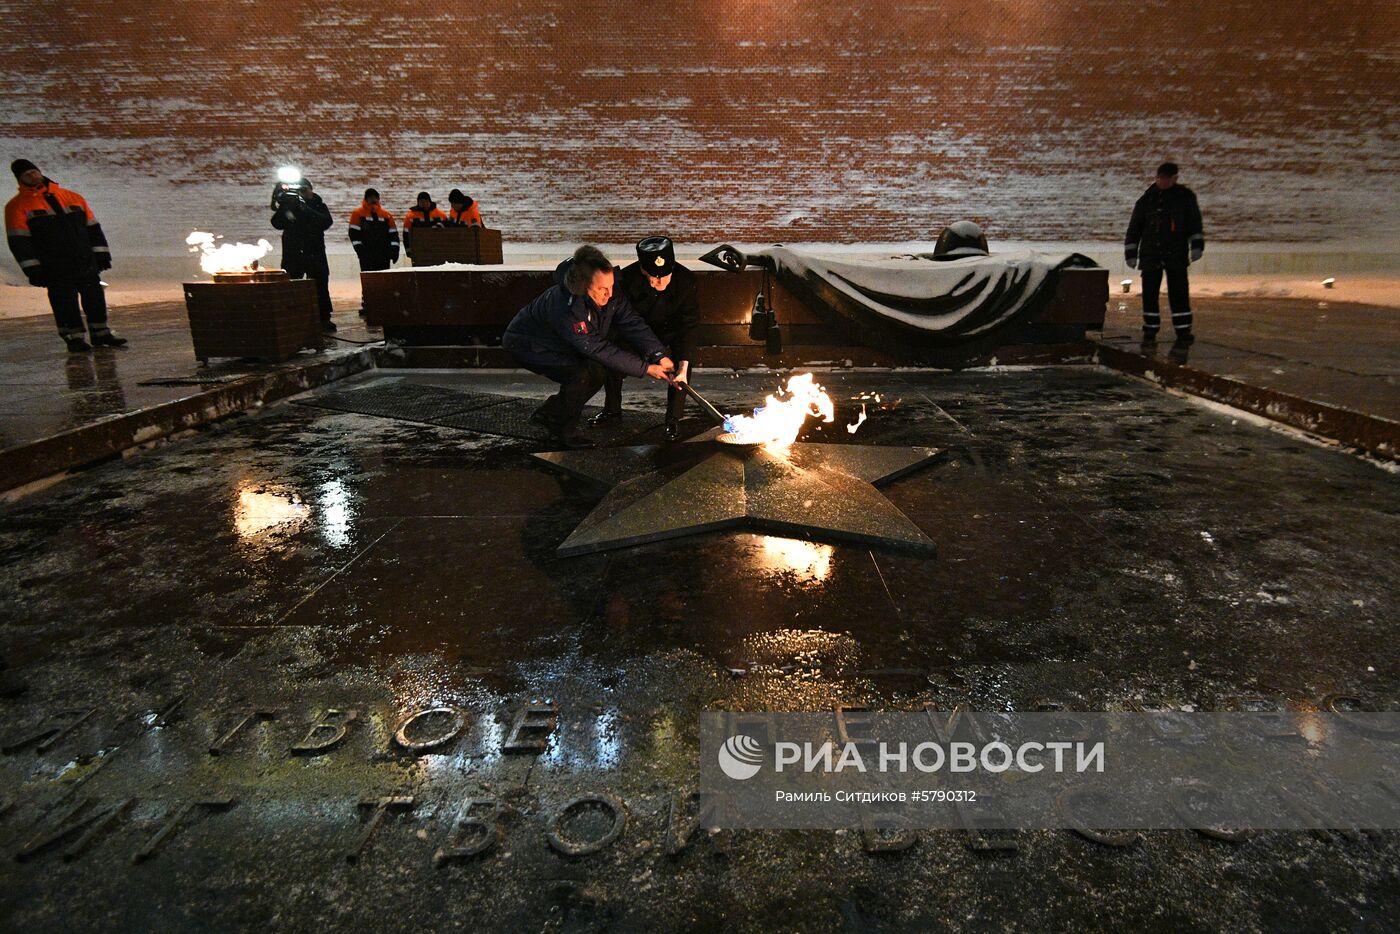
422, 195
20, 166
1168, 170
455, 196
371, 193
657, 256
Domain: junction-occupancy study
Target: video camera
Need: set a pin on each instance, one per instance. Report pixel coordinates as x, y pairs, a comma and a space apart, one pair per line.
288, 196
290, 191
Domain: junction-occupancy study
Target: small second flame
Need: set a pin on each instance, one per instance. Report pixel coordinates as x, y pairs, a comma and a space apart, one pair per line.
855, 425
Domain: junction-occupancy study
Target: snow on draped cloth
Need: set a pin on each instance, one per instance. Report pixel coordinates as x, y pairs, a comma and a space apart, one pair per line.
919, 298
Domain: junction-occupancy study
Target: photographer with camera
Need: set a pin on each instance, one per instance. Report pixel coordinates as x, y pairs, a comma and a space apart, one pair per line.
303, 218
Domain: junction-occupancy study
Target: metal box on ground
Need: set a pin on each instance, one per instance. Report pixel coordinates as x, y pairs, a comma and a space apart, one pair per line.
259, 314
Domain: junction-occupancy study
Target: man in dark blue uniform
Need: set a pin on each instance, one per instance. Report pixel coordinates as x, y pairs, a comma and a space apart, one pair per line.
564, 336
1165, 234
665, 294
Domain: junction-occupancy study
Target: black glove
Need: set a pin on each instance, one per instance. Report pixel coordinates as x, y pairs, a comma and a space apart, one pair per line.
37, 278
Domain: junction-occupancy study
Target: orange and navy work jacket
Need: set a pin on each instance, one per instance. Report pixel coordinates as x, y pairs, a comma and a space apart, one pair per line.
54, 236
374, 235
467, 216
415, 217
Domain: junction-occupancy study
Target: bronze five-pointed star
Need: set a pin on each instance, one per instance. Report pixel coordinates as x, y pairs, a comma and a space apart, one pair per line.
824, 492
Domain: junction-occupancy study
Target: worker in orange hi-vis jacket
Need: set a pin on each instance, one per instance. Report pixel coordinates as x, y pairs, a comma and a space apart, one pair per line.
423, 214
60, 247
464, 211
374, 234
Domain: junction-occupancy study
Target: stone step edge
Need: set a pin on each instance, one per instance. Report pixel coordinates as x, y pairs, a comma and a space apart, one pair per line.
1377, 436
35, 464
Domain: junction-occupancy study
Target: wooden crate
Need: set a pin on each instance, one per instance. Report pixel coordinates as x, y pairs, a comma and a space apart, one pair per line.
433, 246
263, 316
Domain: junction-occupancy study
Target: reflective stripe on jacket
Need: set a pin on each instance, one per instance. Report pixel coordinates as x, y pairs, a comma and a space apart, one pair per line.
469, 216
54, 235
373, 233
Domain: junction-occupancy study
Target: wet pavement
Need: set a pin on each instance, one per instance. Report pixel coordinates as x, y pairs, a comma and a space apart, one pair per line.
1343, 354
45, 390
1099, 543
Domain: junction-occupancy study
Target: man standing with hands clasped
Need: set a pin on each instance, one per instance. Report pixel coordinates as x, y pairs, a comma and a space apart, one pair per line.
1165, 234
565, 336
60, 247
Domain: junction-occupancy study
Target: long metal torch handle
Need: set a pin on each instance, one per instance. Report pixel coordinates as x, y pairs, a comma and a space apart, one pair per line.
704, 403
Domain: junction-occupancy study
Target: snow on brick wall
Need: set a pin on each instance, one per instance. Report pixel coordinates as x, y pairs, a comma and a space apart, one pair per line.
783, 120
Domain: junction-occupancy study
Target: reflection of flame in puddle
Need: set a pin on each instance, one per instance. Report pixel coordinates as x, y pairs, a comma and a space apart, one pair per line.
336, 514
263, 511
809, 562
1312, 727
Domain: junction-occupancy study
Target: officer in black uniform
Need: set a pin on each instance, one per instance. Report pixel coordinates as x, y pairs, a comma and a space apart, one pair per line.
564, 335
663, 292
1165, 234
303, 218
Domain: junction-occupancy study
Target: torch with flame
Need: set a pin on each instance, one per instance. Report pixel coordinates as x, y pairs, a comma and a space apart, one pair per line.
776, 423
226, 257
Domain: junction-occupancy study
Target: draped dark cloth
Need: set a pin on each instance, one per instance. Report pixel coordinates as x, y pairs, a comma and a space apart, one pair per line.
921, 299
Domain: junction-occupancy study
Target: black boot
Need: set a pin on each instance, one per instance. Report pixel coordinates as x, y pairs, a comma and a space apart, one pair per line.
108, 340
328, 326
672, 431
77, 345
605, 416
1185, 337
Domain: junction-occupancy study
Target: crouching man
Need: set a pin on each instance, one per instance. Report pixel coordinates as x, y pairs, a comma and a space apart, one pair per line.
564, 335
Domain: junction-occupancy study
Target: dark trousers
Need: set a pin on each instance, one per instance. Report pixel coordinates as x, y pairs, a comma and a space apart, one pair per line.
318, 270
612, 399
577, 384
1178, 296
64, 298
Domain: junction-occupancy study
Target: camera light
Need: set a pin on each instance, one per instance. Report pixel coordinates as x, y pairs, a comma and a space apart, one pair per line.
289, 174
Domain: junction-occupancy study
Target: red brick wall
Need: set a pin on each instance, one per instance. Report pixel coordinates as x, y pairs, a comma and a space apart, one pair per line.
793, 121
